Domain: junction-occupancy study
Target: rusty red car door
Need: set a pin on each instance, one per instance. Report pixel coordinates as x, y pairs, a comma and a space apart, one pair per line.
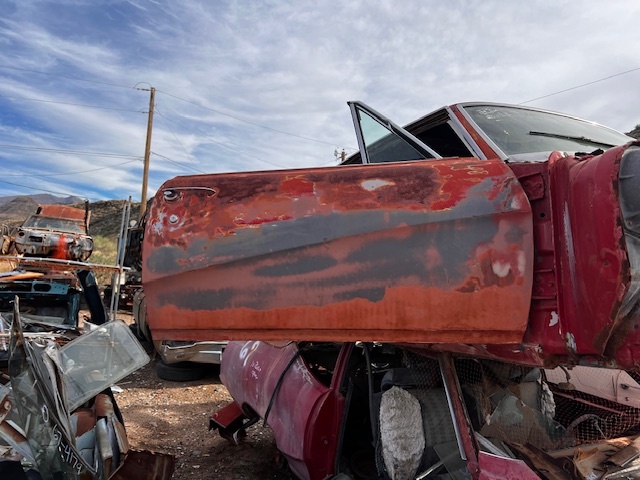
419, 251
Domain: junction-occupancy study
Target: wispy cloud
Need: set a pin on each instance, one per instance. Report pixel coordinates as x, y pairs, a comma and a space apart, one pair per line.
227, 69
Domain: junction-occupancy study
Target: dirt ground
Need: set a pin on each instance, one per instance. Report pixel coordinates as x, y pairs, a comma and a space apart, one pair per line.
173, 417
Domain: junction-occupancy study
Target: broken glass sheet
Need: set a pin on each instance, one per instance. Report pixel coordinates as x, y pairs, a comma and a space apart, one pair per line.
96, 360
513, 421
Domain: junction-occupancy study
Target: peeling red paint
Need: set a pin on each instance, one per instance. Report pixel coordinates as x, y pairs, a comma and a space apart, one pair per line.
309, 440
61, 211
384, 263
403, 252
296, 186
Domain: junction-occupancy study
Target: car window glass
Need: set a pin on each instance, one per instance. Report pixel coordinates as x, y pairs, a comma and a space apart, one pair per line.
519, 130
385, 146
59, 224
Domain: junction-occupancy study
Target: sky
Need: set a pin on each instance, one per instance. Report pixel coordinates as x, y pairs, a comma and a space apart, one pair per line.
255, 85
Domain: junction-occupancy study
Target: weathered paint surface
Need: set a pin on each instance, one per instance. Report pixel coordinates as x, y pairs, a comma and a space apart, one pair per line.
305, 415
586, 271
593, 273
431, 251
61, 211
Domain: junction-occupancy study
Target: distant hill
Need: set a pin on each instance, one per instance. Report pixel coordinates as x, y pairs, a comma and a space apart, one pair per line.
44, 199
16, 211
635, 133
106, 216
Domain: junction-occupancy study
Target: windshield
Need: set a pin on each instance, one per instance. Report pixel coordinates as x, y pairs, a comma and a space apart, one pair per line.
519, 130
57, 224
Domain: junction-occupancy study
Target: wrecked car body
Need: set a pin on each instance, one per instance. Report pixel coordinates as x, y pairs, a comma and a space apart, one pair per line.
387, 411
56, 231
58, 416
462, 259
51, 293
493, 249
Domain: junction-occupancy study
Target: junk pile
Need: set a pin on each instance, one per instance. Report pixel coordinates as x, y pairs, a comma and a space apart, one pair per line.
58, 415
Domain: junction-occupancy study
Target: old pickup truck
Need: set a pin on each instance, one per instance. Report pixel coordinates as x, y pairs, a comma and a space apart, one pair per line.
459, 299
56, 231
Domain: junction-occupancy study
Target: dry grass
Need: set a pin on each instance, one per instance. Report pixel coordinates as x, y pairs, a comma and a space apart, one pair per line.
104, 253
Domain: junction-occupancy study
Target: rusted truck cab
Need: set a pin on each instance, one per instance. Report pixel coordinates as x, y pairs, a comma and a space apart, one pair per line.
56, 231
462, 258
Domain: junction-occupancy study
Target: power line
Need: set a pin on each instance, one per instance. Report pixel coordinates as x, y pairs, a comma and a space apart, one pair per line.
159, 91
71, 77
204, 136
71, 152
177, 163
42, 189
247, 121
72, 104
76, 172
580, 86
174, 136
222, 144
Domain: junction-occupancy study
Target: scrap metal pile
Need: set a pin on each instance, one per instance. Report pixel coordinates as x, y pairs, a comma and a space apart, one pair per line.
58, 415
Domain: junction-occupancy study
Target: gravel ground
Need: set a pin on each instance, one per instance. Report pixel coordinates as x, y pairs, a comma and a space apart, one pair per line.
173, 417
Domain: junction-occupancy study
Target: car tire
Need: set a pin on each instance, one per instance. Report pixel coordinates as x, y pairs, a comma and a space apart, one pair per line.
135, 330
180, 372
140, 336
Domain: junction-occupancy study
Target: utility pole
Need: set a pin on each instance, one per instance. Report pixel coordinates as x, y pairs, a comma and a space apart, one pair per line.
147, 153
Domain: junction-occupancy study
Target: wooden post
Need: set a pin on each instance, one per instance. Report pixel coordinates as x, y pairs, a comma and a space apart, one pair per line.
147, 152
